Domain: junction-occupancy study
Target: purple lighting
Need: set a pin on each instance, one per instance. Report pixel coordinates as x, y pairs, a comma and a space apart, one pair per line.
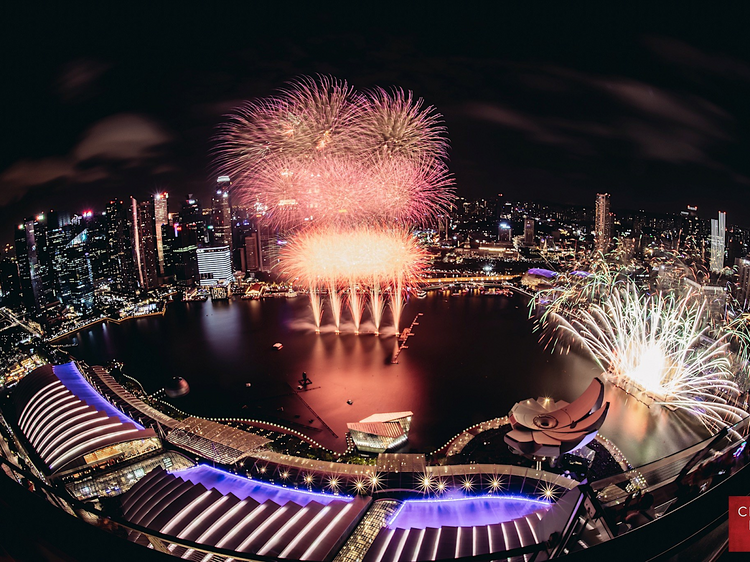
228, 483
542, 272
464, 512
73, 380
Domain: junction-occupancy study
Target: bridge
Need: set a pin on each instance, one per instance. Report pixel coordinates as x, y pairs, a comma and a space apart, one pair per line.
433, 283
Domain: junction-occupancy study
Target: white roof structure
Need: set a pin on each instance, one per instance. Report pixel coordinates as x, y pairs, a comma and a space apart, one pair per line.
387, 417
69, 425
545, 428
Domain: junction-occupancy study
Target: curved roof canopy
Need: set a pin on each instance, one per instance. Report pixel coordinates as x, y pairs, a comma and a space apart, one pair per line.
66, 420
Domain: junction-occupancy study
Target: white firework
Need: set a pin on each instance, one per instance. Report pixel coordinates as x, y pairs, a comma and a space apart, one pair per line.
658, 345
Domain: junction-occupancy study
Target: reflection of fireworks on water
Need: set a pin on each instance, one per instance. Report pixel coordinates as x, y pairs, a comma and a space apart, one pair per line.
658, 345
363, 261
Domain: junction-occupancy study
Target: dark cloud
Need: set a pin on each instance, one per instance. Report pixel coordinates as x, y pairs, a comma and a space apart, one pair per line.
77, 79
695, 62
114, 143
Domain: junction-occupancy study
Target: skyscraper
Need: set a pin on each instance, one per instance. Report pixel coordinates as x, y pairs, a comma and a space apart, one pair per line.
39, 287
121, 265
603, 223
161, 217
144, 244
743, 282
528, 232
718, 241
251, 255
221, 213
214, 265
192, 231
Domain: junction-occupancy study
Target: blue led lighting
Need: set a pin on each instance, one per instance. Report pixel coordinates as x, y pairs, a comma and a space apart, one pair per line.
484, 497
75, 382
237, 484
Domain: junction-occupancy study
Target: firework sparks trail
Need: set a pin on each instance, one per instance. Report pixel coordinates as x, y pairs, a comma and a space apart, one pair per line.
356, 304
657, 345
377, 304
334, 298
364, 256
316, 305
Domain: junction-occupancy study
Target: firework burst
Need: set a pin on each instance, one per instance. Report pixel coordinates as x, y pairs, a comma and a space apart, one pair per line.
657, 347
320, 149
395, 124
363, 260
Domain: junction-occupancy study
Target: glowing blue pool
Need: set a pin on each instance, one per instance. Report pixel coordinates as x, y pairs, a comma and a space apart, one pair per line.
464, 512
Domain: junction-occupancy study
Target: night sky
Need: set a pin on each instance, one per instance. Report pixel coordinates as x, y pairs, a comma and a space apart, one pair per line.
547, 103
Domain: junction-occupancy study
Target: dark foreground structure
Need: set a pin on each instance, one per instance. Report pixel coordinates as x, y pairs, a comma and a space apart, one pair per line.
155, 502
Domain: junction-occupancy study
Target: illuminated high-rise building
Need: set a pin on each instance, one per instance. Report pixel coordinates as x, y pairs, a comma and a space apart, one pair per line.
161, 217
214, 265
743, 282
39, 285
251, 254
121, 265
602, 223
191, 227
718, 241
528, 232
144, 244
221, 213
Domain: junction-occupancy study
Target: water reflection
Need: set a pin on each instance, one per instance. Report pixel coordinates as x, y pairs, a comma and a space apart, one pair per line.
470, 359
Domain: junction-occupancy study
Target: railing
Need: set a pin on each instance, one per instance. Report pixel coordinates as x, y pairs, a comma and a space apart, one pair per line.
678, 483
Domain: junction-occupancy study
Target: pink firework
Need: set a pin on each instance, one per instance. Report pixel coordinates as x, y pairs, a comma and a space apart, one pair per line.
307, 119
344, 190
318, 149
396, 124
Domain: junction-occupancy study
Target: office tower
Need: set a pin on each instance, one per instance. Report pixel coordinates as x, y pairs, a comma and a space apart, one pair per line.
185, 265
122, 275
504, 232
192, 231
10, 283
214, 265
68, 243
161, 217
718, 240
75, 273
251, 255
144, 244
743, 282
39, 288
98, 246
221, 213
528, 232
602, 223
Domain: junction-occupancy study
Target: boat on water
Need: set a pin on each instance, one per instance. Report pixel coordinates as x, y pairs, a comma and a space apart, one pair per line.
421, 293
277, 346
